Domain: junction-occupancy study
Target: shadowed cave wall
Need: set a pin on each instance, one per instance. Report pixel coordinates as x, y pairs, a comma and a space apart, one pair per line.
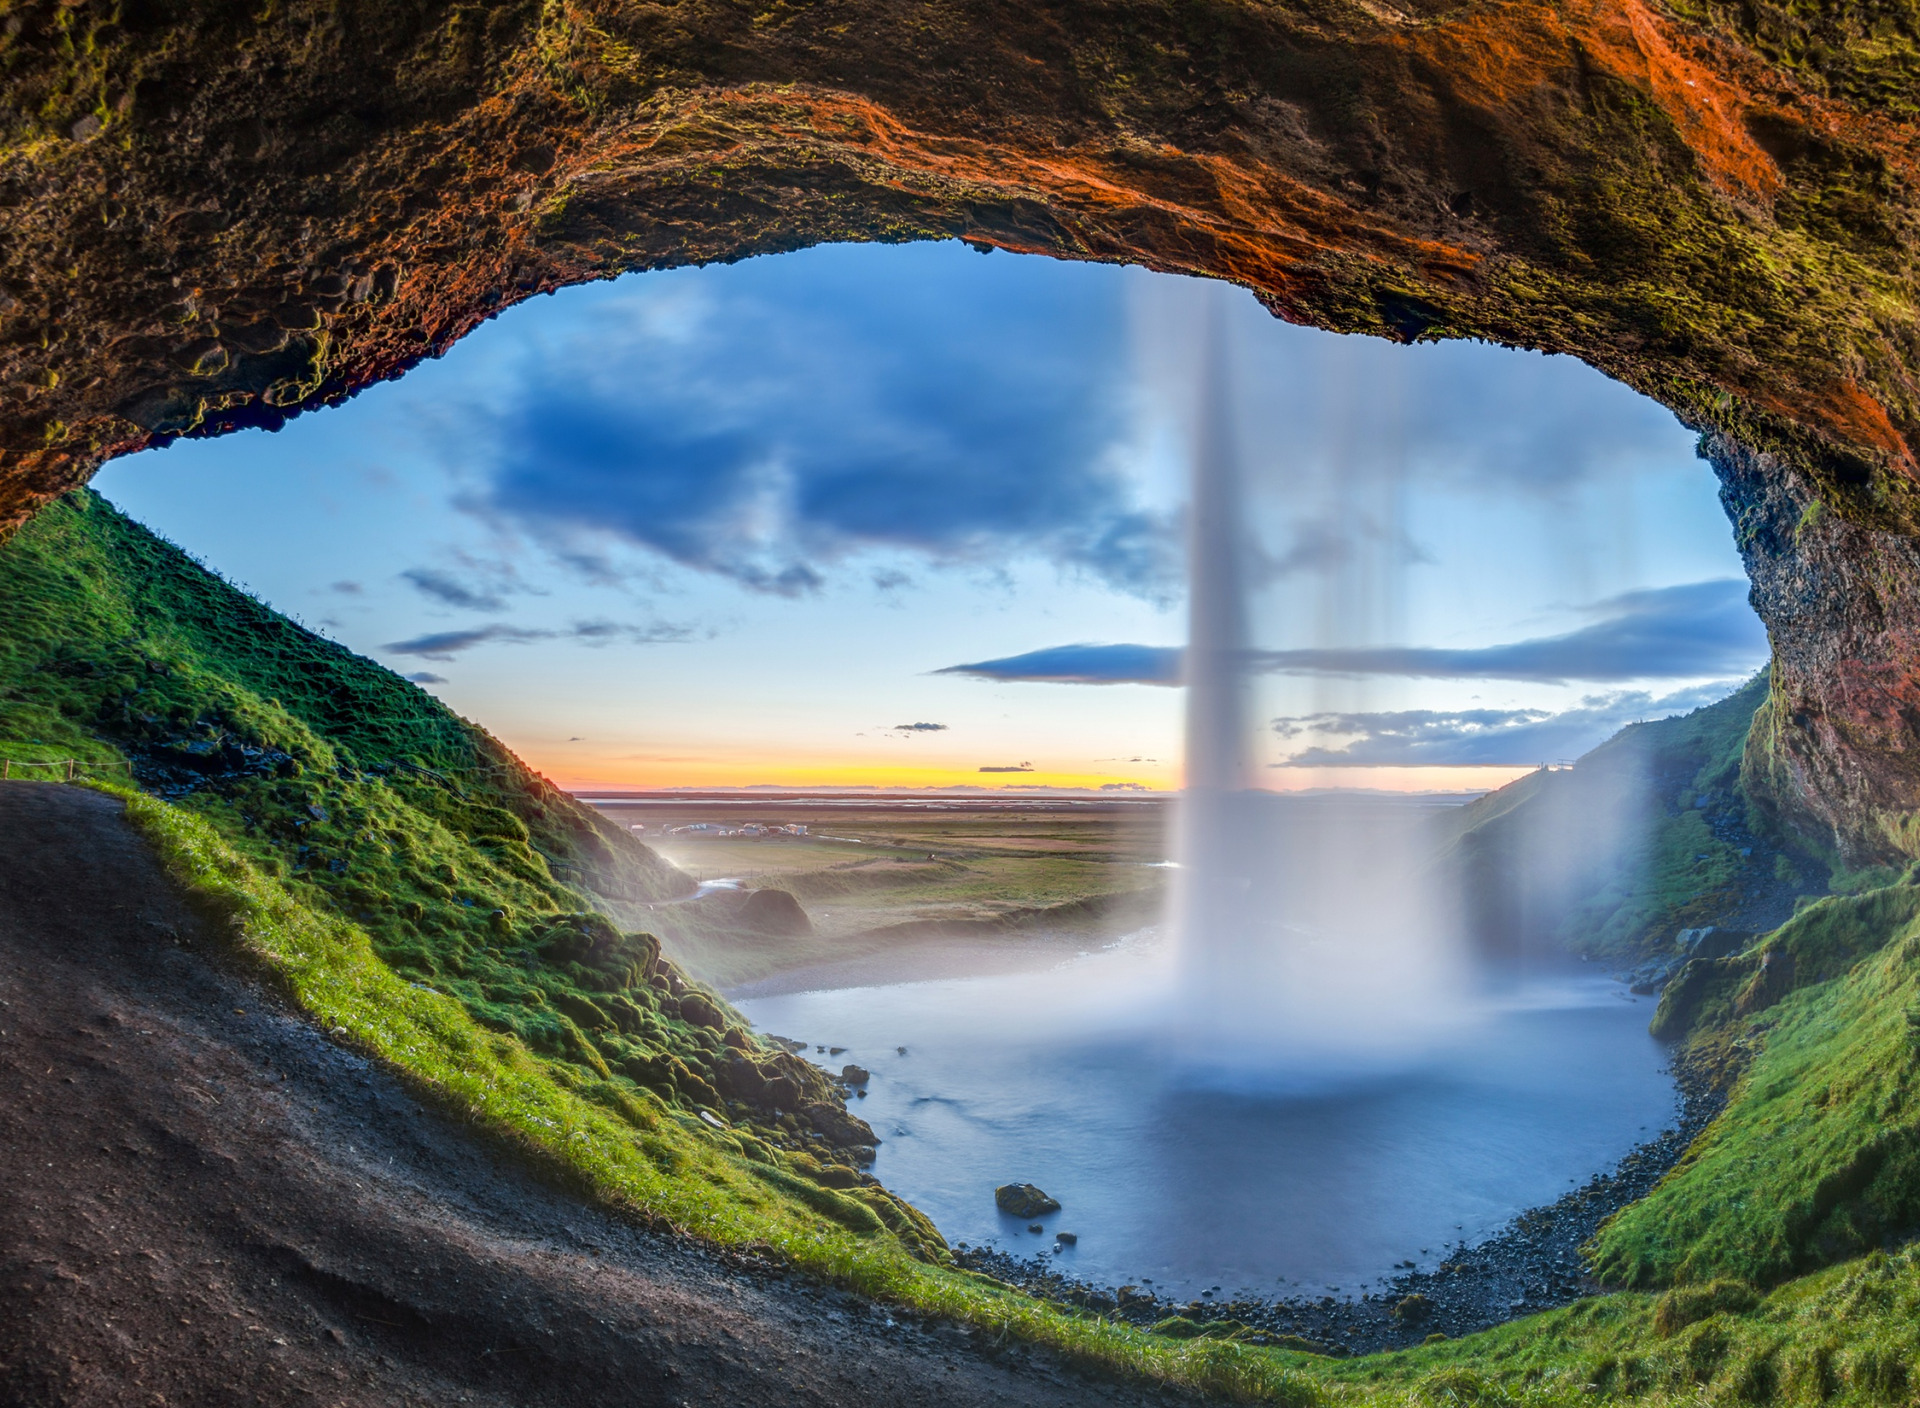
214, 215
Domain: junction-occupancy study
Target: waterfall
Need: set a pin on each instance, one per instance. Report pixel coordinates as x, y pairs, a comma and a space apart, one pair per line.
1311, 935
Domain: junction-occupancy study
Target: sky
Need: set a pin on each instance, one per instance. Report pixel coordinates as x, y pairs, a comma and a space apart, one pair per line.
907, 516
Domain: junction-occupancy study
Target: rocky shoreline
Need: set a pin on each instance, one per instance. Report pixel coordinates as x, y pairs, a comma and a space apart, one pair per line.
1530, 1265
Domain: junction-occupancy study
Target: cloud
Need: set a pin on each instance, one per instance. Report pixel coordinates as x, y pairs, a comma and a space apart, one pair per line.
767, 426
445, 645
425, 677
919, 728
1483, 417
444, 587
1700, 628
1486, 737
1081, 664
347, 588
1023, 767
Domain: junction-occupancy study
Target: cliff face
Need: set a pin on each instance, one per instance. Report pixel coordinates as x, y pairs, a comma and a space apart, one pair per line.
1835, 749
214, 214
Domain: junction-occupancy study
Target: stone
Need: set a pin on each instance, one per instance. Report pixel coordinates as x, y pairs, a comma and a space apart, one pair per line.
1066, 1239
1023, 1200
848, 1131
855, 1075
1413, 1310
701, 1012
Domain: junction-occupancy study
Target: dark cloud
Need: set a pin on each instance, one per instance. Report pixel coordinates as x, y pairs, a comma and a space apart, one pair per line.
1494, 737
426, 677
919, 728
812, 407
445, 645
1023, 767
1082, 664
445, 587
1701, 628
347, 588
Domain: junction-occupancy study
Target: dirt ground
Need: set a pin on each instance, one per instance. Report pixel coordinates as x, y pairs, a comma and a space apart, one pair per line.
203, 1200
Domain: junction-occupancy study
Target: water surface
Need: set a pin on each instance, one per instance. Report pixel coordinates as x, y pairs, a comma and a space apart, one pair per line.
1273, 1181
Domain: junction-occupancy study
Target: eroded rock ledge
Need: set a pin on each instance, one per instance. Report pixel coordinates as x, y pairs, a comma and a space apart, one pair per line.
216, 214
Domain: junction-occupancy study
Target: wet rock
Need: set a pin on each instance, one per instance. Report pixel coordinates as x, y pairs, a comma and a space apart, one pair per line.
848, 1131
1066, 1239
1415, 1309
701, 1012
1023, 1200
855, 1075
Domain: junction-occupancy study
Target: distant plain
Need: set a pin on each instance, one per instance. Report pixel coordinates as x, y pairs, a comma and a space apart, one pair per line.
897, 888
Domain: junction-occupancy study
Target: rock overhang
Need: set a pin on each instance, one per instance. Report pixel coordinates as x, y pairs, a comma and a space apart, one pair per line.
220, 215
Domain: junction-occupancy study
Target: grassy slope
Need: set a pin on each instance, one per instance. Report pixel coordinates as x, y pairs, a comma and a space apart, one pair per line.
377, 805
116, 648
1640, 839
1817, 1156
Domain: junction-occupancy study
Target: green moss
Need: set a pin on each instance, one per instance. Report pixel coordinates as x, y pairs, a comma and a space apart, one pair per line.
1817, 1155
465, 941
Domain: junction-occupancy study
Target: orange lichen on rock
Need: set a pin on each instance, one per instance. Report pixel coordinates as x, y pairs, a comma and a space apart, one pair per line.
1518, 53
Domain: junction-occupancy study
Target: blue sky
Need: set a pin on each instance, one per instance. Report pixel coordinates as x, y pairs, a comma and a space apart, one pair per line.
895, 515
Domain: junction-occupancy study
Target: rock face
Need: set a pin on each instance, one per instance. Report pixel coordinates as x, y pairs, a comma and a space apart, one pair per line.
213, 216
1834, 748
1023, 1200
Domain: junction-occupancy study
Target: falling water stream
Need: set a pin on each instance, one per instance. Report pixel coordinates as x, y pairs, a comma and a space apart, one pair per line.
1297, 1082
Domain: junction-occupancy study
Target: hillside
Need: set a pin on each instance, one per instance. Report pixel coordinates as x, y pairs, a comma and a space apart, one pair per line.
1651, 833
427, 904
369, 801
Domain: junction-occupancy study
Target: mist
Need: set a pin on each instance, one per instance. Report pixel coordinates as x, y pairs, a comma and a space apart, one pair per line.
1314, 934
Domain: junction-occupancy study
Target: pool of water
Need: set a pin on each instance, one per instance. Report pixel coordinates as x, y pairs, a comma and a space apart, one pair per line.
1282, 1181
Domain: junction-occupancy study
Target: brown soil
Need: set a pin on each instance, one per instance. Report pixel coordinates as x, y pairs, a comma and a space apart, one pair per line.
205, 1200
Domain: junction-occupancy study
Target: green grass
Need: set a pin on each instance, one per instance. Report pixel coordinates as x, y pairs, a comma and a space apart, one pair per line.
376, 805
1817, 1156
463, 940
1614, 856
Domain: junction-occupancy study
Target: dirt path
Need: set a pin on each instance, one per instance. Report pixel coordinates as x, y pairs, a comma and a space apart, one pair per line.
203, 1200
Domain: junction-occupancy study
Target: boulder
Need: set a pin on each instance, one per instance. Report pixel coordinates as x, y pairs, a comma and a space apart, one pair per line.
855, 1075
1413, 1309
701, 1012
838, 1126
1023, 1200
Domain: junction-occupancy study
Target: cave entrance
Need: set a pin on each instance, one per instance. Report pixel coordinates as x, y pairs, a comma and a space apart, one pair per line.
858, 574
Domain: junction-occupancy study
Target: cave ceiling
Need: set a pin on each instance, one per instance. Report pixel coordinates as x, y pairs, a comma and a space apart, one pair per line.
217, 215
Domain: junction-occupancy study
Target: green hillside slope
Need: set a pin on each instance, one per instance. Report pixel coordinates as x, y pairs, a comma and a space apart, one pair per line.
423, 895
370, 800
1648, 834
